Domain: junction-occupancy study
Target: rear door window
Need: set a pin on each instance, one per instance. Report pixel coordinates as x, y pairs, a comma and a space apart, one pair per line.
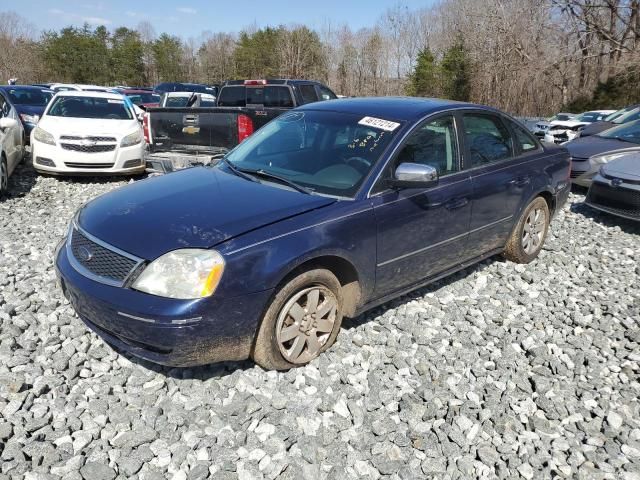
524, 139
308, 93
487, 138
233, 97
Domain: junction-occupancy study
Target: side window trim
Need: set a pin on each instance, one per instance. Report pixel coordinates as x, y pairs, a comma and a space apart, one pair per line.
391, 160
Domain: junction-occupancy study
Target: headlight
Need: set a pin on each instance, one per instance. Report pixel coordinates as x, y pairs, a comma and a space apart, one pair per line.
26, 118
602, 159
43, 136
132, 139
184, 274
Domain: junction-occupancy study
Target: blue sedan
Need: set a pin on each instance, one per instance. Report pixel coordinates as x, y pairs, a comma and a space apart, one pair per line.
327, 211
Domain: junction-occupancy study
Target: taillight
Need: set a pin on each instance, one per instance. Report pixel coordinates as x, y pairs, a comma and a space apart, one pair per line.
255, 82
245, 127
146, 129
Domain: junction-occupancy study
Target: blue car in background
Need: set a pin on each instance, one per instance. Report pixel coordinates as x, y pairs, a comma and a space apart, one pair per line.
29, 102
327, 211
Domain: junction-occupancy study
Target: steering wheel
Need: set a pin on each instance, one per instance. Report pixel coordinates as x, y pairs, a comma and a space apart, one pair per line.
361, 164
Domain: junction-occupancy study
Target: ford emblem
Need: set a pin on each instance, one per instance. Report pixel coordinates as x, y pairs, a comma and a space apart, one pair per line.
84, 254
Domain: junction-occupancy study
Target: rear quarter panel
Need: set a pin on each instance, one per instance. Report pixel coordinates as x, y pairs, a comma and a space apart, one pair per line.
549, 172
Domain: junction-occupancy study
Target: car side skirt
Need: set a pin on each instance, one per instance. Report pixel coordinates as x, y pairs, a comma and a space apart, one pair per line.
398, 293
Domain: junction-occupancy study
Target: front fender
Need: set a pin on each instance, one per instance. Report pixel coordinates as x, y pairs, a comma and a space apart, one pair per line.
260, 260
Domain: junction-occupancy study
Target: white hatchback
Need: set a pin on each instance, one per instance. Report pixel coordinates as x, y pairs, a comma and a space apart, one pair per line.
88, 132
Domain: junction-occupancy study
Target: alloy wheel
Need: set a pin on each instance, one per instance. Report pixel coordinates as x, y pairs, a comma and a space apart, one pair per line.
533, 230
305, 324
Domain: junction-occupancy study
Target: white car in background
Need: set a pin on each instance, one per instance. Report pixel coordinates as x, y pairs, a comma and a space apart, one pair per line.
88, 132
11, 143
181, 99
66, 87
561, 131
541, 126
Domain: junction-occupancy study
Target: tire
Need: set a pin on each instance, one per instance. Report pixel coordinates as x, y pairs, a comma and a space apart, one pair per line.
530, 233
4, 176
290, 335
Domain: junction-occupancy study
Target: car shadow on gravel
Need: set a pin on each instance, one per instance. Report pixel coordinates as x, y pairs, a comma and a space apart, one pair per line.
419, 293
605, 219
22, 180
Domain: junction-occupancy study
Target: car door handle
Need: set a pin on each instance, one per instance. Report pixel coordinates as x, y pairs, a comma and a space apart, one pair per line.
520, 181
456, 203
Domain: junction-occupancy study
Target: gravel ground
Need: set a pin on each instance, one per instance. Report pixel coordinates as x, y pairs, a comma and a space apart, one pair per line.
502, 370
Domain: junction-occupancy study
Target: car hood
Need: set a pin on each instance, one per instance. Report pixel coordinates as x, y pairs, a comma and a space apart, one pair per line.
594, 128
87, 126
627, 167
30, 109
559, 124
585, 147
193, 208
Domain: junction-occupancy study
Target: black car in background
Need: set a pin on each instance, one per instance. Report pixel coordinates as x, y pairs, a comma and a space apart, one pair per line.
185, 87
29, 102
626, 115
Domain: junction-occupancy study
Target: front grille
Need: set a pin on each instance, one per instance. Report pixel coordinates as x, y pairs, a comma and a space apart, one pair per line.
88, 165
99, 260
93, 139
576, 173
621, 200
76, 147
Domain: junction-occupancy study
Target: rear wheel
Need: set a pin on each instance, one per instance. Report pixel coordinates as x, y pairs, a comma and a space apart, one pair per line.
4, 176
527, 238
302, 321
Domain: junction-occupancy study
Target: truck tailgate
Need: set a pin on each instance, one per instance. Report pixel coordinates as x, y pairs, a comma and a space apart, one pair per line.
180, 128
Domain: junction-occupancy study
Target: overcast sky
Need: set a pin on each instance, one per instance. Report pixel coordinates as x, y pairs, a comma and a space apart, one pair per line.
191, 18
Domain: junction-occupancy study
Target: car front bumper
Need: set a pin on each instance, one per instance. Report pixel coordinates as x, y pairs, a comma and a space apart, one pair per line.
161, 330
615, 197
53, 159
583, 171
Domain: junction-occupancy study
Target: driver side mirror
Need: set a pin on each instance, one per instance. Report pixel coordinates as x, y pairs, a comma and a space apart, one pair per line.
414, 175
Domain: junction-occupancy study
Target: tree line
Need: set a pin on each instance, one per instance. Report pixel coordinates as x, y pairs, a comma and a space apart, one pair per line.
529, 57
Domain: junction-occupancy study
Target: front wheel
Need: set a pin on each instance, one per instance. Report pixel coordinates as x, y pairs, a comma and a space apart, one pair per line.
529, 235
4, 176
302, 321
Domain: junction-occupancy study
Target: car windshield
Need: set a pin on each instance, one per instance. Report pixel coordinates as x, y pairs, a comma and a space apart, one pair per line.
629, 116
90, 107
629, 132
588, 117
29, 96
561, 116
139, 98
201, 100
615, 115
328, 153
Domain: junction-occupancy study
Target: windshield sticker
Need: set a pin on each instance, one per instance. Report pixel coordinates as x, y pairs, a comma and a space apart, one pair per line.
116, 101
380, 123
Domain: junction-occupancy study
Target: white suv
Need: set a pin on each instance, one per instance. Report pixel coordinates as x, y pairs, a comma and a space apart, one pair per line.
88, 132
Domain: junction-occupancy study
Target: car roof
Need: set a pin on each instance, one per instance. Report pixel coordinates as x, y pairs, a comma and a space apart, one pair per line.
398, 108
83, 93
24, 87
136, 90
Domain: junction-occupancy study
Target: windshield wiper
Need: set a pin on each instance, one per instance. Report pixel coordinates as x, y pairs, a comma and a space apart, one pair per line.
286, 181
237, 171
